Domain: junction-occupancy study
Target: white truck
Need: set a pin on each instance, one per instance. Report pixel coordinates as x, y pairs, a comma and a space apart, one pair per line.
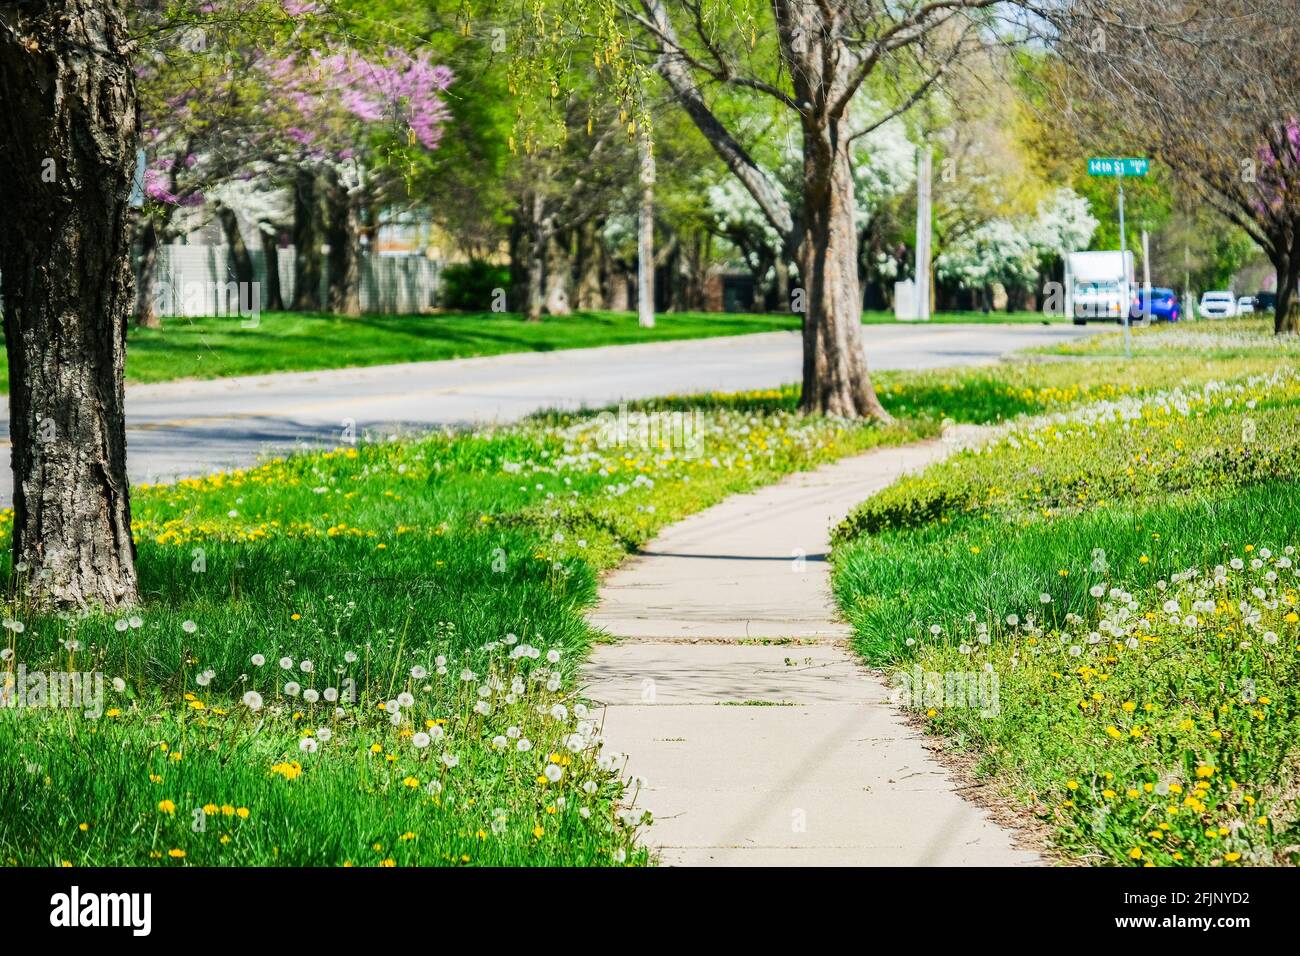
1099, 285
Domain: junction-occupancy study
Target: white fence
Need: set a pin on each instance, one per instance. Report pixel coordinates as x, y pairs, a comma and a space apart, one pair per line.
196, 280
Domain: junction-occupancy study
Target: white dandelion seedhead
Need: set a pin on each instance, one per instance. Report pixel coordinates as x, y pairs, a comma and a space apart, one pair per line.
253, 700
292, 688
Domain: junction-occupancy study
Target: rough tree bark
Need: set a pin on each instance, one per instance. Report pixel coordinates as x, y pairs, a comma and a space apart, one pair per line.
559, 276
1286, 317
271, 256
145, 316
343, 232
590, 293
67, 157
241, 263
307, 238
539, 238
835, 379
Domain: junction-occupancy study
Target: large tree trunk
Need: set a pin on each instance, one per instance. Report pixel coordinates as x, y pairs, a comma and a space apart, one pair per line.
145, 316
344, 236
559, 273
271, 255
67, 148
307, 237
590, 293
241, 263
835, 379
1286, 317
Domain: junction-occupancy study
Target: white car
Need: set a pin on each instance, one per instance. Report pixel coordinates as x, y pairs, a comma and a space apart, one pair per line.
1218, 305
1246, 305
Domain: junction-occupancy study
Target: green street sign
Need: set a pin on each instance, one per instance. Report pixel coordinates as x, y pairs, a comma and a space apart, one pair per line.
1098, 166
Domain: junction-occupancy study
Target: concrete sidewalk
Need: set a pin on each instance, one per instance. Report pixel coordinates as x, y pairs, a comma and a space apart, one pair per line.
763, 753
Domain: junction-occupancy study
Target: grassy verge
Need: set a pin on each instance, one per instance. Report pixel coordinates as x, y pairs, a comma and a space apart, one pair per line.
1102, 605
206, 348
369, 656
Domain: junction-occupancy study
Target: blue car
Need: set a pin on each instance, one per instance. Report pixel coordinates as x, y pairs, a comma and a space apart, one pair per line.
1161, 304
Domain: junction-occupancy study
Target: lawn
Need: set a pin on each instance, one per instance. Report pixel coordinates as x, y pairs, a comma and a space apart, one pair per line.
368, 656
207, 348
1120, 575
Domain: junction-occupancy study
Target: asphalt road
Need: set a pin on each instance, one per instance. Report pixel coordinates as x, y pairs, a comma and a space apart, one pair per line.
179, 429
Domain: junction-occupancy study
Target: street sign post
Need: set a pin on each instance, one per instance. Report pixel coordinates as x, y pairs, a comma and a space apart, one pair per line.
1119, 167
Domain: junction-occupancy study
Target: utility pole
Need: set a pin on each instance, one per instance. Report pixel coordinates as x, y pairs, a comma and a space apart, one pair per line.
1146, 273
645, 247
923, 217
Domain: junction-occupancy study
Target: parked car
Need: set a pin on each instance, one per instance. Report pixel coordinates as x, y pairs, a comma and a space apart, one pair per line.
1160, 305
1218, 305
1265, 301
1246, 305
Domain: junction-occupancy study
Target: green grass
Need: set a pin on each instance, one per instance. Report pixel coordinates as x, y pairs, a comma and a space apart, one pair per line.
375, 561
206, 348
369, 562
1049, 561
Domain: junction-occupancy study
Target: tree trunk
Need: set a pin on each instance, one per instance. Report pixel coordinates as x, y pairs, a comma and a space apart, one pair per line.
782, 283
271, 255
538, 241
344, 237
307, 230
1286, 317
145, 316
590, 293
241, 263
835, 379
559, 271
68, 147
645, 239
